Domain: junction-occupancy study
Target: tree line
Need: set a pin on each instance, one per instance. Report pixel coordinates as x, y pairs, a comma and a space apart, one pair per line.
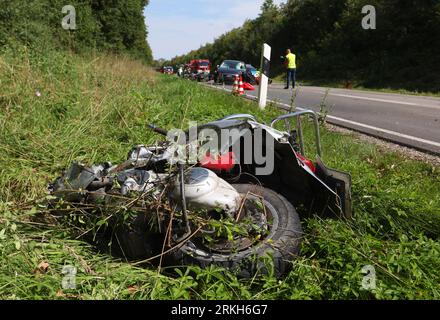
332, 46
116, 26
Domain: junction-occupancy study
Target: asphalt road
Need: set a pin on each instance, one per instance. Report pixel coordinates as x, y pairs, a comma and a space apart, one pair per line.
413, 121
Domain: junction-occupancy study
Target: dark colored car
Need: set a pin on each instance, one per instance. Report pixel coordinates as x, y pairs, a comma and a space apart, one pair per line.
254, 75
227, 71
252, 70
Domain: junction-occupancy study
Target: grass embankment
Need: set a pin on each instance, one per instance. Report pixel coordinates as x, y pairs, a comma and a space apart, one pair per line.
55, 108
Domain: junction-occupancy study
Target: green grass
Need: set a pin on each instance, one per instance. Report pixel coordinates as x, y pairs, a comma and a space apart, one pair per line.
94, 109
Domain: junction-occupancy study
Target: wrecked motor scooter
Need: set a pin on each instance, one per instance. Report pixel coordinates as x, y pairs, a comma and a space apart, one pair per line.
228, 207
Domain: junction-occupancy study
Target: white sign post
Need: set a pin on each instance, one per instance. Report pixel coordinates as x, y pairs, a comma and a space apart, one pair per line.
264, 77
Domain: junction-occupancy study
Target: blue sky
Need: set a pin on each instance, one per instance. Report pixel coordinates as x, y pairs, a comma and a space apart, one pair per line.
178, 26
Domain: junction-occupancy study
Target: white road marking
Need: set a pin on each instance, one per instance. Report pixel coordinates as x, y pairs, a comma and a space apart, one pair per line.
384, 100
322, 91
393, 133
366, 126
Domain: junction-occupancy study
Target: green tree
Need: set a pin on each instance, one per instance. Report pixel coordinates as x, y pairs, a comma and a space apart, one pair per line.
331, 44
113, 25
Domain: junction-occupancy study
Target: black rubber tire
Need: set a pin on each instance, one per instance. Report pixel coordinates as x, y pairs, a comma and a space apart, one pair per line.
282, 244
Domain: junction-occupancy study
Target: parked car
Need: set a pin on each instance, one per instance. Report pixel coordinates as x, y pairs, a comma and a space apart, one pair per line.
254, 74
226, 72
251, 69
167, 70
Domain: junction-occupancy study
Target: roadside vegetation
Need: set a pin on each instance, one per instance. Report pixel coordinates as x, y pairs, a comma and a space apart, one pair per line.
118, 28
332, 47
57, 107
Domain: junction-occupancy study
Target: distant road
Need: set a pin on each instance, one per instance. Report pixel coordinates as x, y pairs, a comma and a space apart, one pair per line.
413, 121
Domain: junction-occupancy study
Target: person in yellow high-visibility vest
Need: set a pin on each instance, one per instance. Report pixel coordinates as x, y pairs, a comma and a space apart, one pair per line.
290, 63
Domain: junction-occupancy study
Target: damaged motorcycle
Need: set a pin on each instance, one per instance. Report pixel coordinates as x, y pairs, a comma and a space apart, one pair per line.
227, 207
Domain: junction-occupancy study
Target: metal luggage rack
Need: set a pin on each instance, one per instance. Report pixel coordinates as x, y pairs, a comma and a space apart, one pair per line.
299, 128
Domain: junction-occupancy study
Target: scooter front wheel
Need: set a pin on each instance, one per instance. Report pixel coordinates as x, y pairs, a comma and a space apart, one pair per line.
247, 256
